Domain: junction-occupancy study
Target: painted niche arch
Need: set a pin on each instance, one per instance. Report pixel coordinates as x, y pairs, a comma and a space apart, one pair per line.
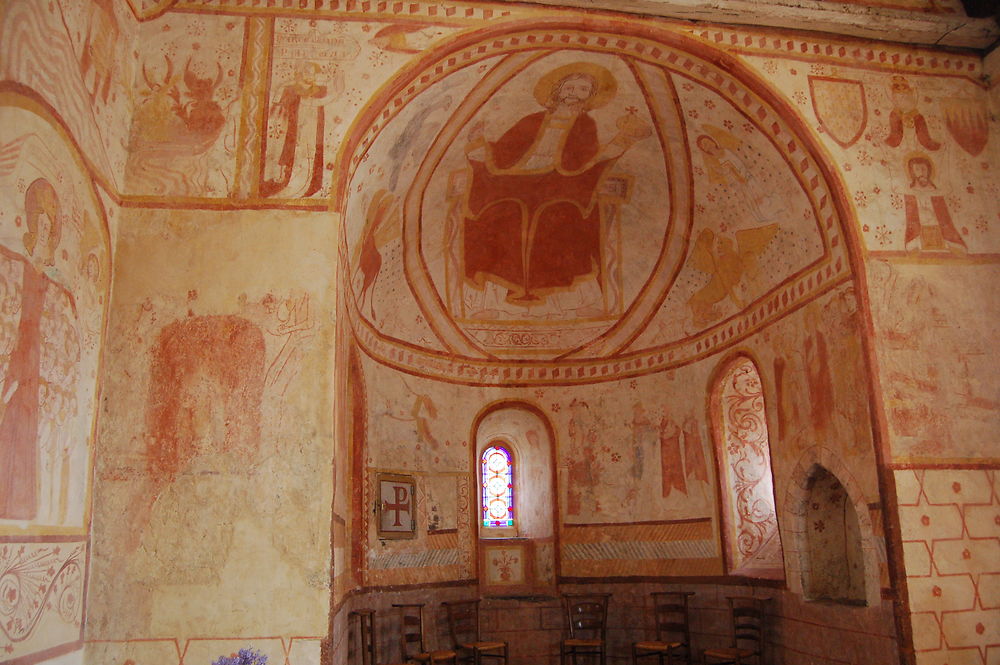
751, 540
821, 473
518, 555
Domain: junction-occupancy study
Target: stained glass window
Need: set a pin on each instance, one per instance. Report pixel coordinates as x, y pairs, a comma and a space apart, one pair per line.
498, 487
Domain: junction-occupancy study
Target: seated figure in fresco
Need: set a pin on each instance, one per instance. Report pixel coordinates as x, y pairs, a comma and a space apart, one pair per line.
532, 223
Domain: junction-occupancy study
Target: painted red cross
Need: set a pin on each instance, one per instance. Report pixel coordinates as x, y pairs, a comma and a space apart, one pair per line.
402, 503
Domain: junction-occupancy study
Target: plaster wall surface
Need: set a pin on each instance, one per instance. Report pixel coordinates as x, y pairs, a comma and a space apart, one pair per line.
293, 290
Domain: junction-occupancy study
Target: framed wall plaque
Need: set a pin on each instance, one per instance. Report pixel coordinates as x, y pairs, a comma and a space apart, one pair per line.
396, 506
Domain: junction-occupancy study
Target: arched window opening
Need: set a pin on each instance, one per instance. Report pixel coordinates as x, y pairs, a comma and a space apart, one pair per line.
750, 525
497, 474
834, 568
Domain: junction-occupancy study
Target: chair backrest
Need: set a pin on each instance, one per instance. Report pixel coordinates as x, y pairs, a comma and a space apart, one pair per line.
463, 621
587, 615
365, 646
748, 623
411, 630
670, 614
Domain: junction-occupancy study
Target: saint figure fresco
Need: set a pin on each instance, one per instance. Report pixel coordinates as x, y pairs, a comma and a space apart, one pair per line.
21, 388
298, 118
532, 221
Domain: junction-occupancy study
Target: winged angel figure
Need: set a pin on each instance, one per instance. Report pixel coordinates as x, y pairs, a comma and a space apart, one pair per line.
727, 265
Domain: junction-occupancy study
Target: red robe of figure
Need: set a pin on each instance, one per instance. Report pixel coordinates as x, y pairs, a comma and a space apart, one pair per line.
19, 420
534, 230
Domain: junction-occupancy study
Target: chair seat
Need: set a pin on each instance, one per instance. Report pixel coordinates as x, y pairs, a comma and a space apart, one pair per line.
729, 652
435, 656
582, 643
653, 645
483, 646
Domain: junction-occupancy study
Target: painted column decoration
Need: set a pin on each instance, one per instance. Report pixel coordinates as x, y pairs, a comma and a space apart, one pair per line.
752, 542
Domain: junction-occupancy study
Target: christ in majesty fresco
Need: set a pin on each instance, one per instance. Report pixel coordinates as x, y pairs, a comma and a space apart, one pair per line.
532, 221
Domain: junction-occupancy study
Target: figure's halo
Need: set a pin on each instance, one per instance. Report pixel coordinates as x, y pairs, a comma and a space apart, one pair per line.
607, 86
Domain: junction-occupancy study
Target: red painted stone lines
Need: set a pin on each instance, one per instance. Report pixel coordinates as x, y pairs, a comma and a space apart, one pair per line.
950, 522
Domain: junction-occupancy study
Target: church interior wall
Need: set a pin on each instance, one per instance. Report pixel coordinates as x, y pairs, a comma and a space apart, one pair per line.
265, 317
223, 443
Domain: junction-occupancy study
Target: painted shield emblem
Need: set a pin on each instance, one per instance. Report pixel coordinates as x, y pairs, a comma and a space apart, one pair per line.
969, 126
840, 107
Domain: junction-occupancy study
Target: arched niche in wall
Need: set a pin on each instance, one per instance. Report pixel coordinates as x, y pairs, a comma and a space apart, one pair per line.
750, 538
836, 568
521, 556
821, 472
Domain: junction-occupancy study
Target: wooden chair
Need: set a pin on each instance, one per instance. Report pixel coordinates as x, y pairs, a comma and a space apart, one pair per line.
747, 616
463, 623
587, 615
411, 637
365, 646
673, 633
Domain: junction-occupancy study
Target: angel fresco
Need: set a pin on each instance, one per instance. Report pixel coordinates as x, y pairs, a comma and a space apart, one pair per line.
728, 265
532, 224
381, 226
727, 169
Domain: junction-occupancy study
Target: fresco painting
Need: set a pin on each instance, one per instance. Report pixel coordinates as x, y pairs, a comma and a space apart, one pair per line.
100, 32
480, 166
43, 597
183, 134
54, 277
927, 392
56, 61
216, 376
307, 76
931, 139
554, 228
753, 542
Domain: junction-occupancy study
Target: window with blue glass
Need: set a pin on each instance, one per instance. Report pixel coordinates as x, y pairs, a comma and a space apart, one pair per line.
498, 486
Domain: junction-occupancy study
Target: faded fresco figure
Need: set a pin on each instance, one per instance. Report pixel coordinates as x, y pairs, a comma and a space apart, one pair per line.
532, 220
97, 62
173, 130
381, 227
906, 116
298, 119
291, 324
21, 389
928, 222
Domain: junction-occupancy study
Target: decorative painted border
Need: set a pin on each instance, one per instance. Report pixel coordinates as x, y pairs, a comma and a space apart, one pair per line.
460, 13
41, 582
865, 54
